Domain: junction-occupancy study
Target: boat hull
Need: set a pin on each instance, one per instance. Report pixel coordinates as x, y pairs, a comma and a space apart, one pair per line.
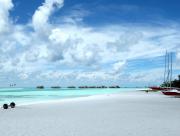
171, 93
158, 88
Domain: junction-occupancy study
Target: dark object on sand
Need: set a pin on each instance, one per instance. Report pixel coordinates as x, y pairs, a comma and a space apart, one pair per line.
40, 87
5, 106
12, 105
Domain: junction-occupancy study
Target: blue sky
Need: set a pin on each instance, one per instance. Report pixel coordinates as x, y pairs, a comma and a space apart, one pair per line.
87, 42
126, 11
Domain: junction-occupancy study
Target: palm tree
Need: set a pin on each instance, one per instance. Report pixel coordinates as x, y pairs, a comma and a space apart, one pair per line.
174, 83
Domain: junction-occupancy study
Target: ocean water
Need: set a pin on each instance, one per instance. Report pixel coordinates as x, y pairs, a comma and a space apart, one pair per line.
33, 95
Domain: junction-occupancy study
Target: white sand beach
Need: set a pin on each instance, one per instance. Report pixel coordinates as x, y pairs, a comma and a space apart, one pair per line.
123, 114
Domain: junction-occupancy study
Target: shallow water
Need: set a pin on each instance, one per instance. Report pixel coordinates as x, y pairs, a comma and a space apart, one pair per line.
33, 95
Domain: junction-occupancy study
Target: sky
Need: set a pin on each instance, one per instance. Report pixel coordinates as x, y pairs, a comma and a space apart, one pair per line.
87, 42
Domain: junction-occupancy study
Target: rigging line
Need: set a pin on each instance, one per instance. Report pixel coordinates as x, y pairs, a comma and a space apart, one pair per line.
165, 67
171, 70
168, 69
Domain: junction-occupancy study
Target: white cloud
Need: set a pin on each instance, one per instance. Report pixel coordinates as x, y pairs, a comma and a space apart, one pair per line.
156, 76
41, 16
5, 7
118, 66
85, 52
23, 76
58, 37
178, 54
77, 76
176, 64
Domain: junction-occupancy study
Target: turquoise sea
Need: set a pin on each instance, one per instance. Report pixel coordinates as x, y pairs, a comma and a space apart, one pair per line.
33, 95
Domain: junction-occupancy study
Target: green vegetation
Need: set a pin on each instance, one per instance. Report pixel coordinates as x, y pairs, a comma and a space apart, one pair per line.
174, 83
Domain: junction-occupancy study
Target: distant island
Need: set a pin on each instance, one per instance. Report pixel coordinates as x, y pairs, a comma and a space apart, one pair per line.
80, 87
92, 87
114, 86
99, 86
55, 87
71, 87
40, 87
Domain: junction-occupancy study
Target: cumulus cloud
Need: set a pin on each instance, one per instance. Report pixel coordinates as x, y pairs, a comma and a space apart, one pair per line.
118, 66
78, 77
41, 16
156, 76
74, 51
5, 7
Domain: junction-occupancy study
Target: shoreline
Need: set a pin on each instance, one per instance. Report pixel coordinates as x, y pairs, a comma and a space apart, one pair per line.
87, 98
81, 93
73, 99
131, 113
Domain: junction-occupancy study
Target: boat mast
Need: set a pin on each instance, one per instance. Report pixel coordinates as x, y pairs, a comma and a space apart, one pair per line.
165, 68
171, 71
168, 70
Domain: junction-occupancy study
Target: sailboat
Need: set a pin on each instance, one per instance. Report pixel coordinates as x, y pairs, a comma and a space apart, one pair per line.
169, 90
167, 76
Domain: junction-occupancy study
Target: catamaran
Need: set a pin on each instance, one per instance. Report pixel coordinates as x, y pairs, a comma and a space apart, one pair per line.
166, 75
169, 90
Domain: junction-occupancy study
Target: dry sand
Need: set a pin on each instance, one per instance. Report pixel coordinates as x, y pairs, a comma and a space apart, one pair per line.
124, 114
